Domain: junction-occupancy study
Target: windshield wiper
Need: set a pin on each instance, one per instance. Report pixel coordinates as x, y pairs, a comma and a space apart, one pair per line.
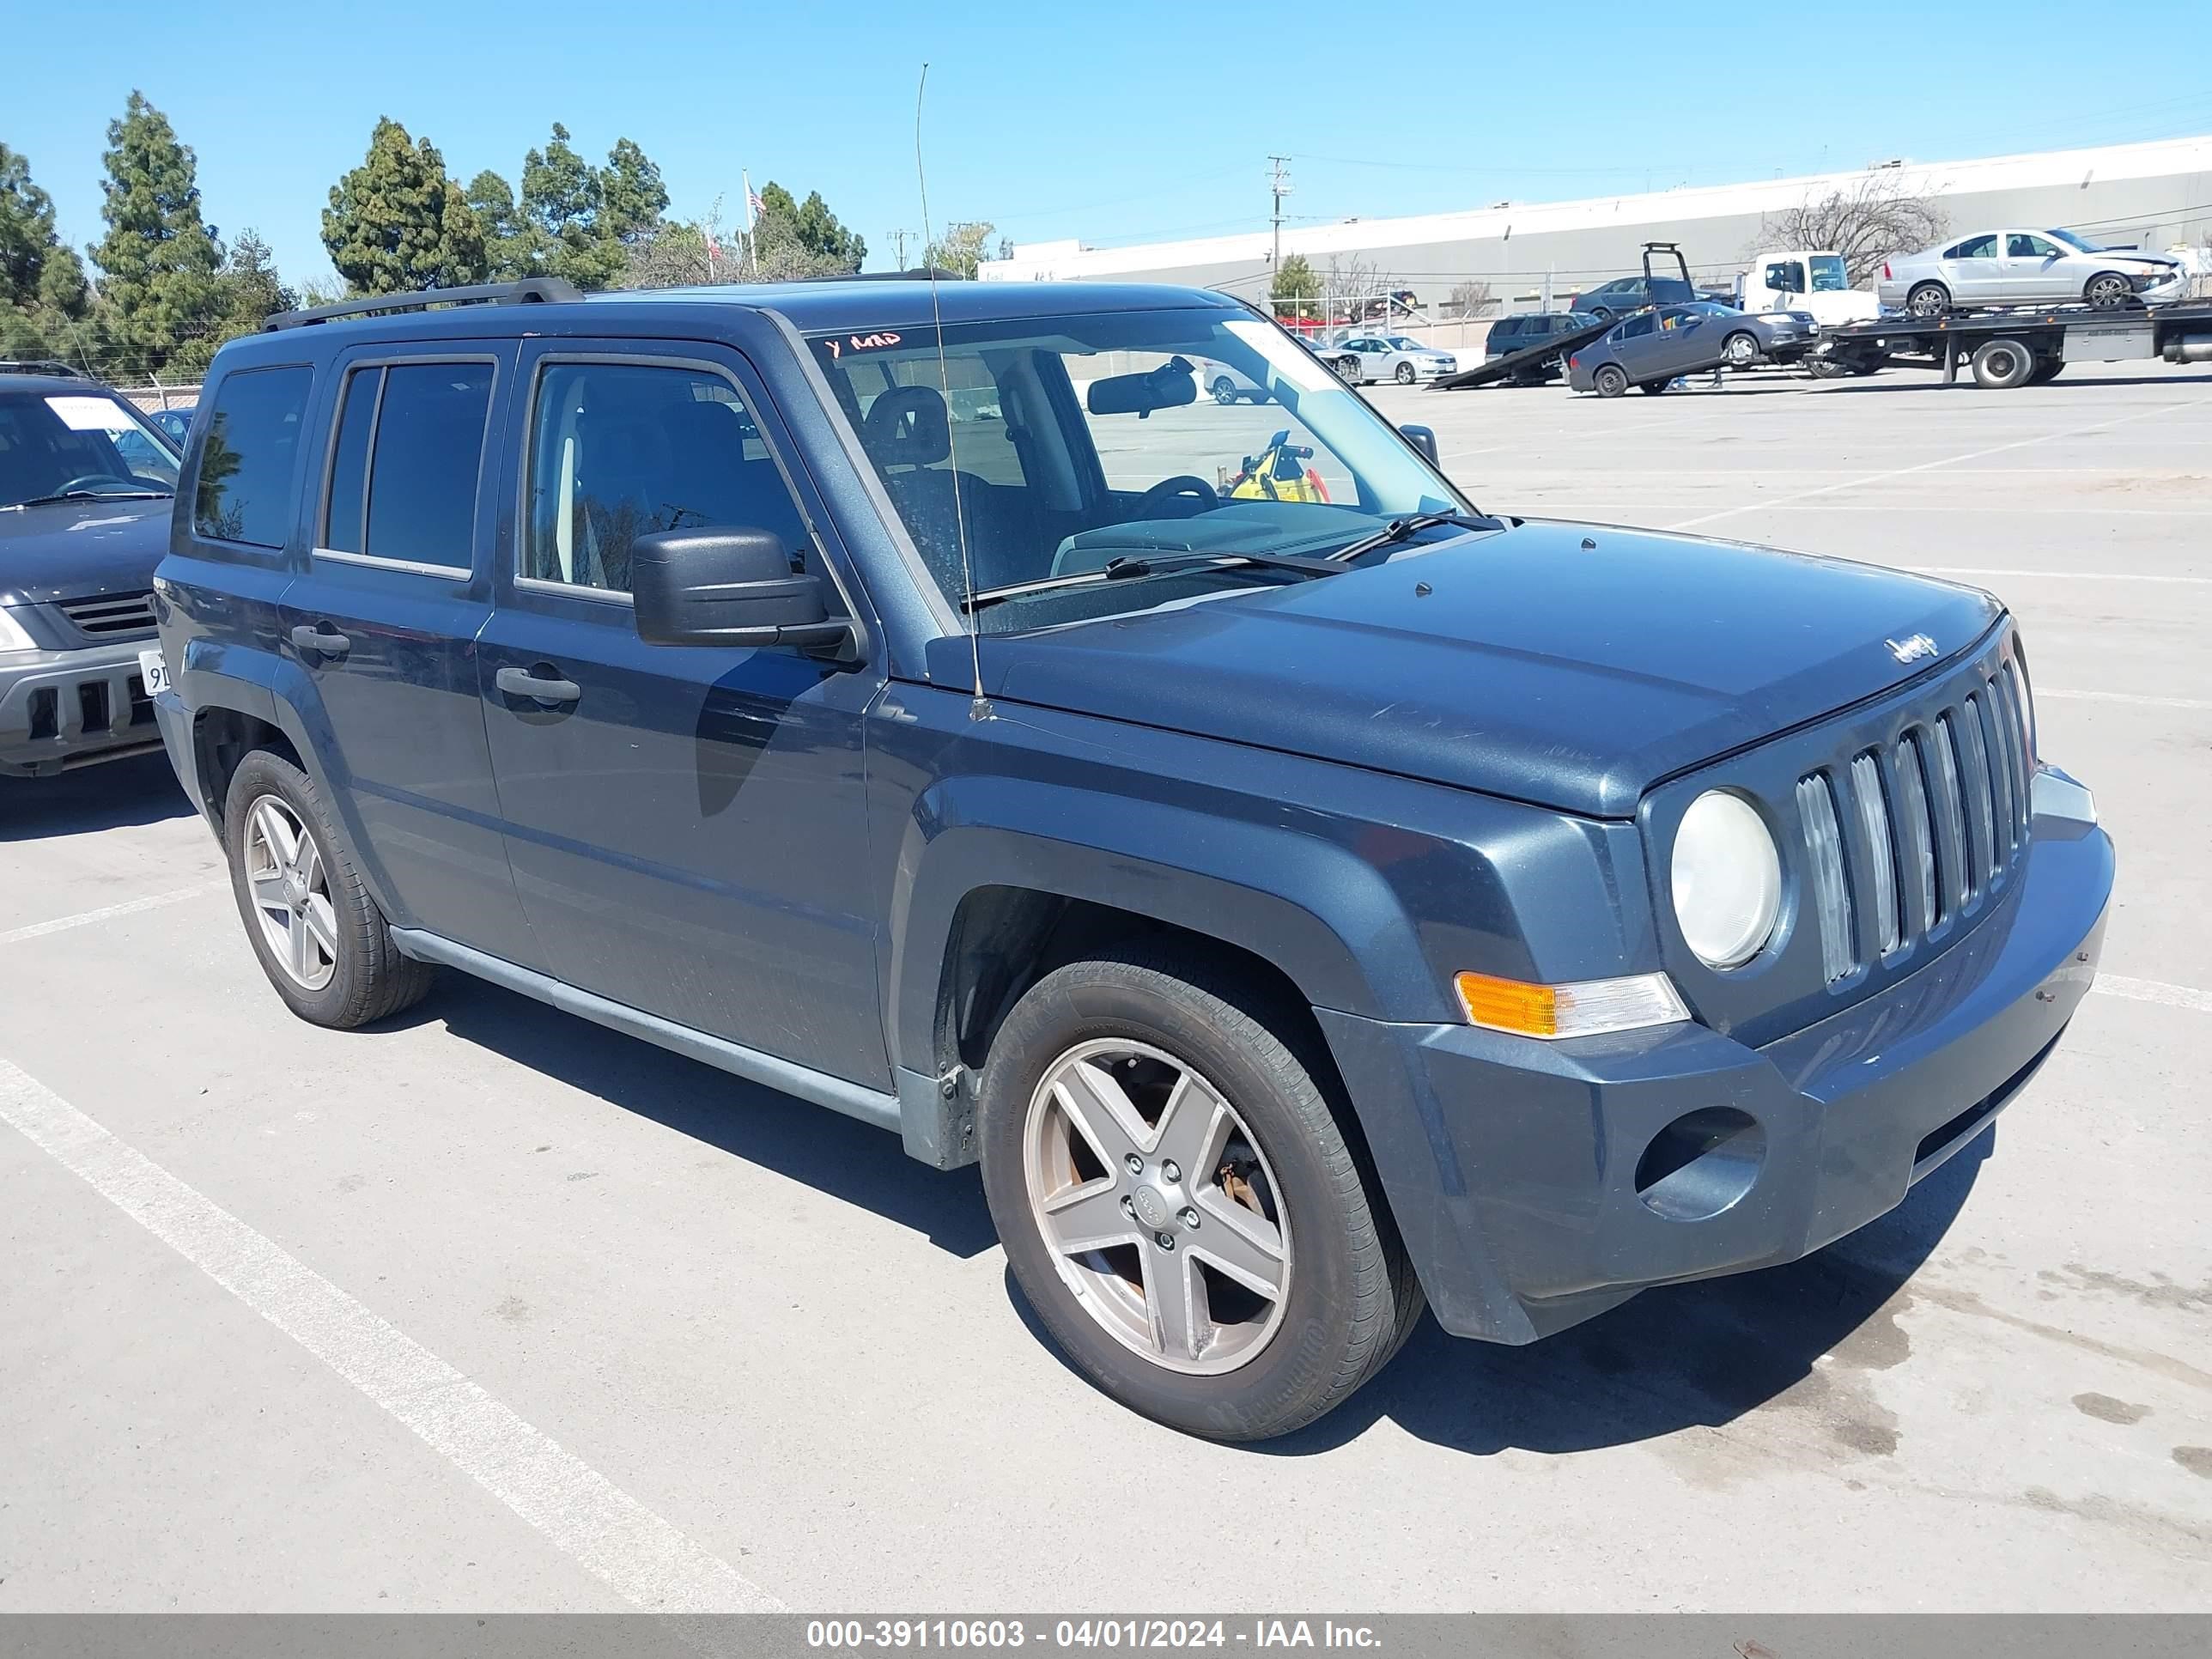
1151, 564
1398, 528
96, 496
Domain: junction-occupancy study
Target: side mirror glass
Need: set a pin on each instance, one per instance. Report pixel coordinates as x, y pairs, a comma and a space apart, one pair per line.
731, 586
1423, 439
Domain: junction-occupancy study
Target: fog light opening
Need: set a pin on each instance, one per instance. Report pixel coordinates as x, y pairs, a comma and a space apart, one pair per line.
1700, 1163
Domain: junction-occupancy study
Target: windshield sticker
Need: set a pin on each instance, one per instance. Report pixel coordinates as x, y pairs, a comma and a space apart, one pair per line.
90, 414
875, 342
1284, 356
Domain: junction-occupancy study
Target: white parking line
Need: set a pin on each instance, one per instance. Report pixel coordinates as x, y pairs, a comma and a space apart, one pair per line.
2151, 990
2054, 575
108, 913
640, 1556
2043, 691
1928, 466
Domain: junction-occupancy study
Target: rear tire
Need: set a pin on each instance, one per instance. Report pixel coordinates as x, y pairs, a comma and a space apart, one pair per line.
2001, 365
1134, 1036
1928, 299
330, 955
1610, 380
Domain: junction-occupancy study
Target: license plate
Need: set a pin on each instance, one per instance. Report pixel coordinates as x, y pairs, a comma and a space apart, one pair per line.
154, 671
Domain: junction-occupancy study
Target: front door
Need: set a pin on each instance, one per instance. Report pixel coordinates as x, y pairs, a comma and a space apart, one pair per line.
685, 823
2029, 271
383, 625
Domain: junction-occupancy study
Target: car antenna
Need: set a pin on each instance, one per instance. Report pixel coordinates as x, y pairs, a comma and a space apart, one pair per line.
979, 706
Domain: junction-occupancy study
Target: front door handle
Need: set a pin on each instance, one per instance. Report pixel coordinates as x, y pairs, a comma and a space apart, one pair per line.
521, 683
323, 638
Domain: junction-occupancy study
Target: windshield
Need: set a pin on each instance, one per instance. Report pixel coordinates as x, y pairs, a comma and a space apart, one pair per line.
2076, 242
56, 444
1829, 275
1059, 445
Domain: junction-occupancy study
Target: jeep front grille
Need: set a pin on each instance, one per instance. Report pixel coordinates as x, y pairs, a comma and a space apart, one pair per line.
111, 615
1912, 834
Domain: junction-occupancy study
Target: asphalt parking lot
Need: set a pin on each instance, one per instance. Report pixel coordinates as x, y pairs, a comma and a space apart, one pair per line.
492, 1309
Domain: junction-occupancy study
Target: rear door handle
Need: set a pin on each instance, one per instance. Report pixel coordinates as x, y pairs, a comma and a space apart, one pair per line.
330, 643
521, 683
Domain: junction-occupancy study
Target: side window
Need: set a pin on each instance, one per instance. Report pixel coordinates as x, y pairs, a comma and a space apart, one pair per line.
2019, 245
404, 469
618, 451
1637, 326
1786, 277
251, 460
1977, 248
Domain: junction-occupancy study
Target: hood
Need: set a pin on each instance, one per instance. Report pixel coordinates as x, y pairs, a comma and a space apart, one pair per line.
75, 549
1534, 667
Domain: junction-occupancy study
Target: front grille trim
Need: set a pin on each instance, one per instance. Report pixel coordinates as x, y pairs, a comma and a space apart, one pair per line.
110, 616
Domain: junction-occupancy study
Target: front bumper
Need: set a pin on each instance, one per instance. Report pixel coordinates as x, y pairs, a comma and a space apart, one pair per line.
1524, 1174
60, 709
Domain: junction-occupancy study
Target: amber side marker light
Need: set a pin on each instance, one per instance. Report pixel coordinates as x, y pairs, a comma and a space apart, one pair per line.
1585, 1008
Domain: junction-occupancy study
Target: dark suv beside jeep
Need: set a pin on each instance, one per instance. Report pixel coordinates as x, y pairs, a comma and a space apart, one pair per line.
1303, 902
85, 484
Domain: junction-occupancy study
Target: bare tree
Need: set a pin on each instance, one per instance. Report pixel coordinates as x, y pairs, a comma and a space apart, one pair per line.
1866, 222
1467, 300
1347, 280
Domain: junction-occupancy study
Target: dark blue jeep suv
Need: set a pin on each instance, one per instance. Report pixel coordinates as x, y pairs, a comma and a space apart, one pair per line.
1305, 894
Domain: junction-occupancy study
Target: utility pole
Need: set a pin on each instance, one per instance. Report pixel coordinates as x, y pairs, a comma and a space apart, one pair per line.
898, 246
1279, 181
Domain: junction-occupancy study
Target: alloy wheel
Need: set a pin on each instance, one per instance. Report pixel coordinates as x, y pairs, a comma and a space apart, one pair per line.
1157, 1205
290, 888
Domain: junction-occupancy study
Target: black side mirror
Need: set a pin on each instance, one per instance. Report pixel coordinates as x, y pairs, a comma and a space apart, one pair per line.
1423, 439
727, 586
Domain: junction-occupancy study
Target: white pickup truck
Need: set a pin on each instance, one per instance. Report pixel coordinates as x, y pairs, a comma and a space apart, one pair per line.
1805, 279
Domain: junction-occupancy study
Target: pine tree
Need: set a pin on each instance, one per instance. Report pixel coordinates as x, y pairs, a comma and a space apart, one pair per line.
396, 223
810, 226
159, 262
561, 198
631, 194
42, 286
511, 244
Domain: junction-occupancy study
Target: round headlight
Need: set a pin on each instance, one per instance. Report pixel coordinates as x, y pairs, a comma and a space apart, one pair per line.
1727, 879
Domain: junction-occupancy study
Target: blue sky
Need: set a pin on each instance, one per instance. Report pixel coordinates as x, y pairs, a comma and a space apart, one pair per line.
1122, 122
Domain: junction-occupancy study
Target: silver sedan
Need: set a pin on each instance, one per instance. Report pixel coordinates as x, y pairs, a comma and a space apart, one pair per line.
2025, 268
1362, 357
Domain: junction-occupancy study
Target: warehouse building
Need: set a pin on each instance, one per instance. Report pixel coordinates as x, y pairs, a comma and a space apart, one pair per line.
2154, 195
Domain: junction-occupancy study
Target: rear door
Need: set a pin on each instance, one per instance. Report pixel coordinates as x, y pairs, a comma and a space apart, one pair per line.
1971, 269
685, 823
383, 625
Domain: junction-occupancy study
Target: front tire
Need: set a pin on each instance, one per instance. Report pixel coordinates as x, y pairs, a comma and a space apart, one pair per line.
1740, 349
2107, 288
1178, 1202
1405, 376
319, 936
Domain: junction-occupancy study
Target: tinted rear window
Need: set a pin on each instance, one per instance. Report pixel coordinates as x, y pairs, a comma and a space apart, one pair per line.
408, 489
251, 460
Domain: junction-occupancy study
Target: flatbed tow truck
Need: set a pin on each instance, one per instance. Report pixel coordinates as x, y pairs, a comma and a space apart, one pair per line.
2024, 345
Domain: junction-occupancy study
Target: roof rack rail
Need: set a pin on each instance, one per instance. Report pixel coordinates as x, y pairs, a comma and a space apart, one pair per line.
531, 290
52, 366
918, 274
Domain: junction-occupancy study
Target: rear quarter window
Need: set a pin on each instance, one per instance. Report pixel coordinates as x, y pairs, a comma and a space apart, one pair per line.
249, 465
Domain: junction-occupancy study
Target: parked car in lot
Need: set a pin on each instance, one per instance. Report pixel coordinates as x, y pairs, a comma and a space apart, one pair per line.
1651, 349
85, 485
175, 421
1225, 383
1361, 358
1305, 904
2026, 267
1511, 334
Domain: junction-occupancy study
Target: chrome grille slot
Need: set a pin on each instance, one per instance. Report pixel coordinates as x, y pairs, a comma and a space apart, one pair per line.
1824, 850
1951, 807
1982, 803
1916, 831
1873, 819
110, 616
2003, 788
2012, 694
